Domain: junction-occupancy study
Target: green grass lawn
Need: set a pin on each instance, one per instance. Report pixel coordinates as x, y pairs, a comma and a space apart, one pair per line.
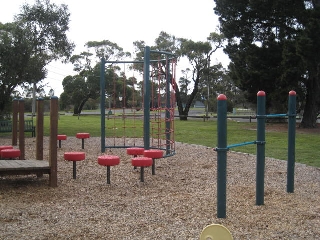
199, 132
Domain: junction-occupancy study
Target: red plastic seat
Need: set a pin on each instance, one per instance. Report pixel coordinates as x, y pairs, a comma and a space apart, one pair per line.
135, 151
10, 153
5, 147
108, 160
61, 137
82, 136
74, 157
154, 154
141, 162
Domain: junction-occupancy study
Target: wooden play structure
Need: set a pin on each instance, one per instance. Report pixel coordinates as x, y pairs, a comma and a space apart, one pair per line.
37, 166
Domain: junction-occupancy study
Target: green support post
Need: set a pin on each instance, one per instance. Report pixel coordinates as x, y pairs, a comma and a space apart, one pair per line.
146, 99
291, 141
260, 168
102, 105
221, 155
168, 106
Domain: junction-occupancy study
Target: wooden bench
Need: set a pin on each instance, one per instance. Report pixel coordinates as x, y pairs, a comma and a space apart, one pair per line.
6, 126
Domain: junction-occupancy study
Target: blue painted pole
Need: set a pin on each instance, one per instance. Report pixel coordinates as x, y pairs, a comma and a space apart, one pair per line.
260, 168
146, 98
102, 105
291, 141
221, 156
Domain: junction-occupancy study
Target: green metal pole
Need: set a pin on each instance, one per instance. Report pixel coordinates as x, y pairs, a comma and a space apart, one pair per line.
261, 116
168, 107
102, 105
146, 98
291, 141
221, 155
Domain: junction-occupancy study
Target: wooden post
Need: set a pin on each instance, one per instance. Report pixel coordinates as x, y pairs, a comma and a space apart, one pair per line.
21, 129
15, 110
53, 141
39, 129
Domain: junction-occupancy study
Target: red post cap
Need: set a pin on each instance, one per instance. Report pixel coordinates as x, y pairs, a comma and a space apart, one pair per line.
221, 97
292, 93
261, 94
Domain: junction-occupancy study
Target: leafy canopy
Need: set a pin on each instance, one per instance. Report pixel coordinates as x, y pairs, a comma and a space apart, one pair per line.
37, 36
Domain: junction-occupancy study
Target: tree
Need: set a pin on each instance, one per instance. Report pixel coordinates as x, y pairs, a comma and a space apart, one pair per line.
80, 88
34, 39
198, 55
77, 90
274, 46
184, 84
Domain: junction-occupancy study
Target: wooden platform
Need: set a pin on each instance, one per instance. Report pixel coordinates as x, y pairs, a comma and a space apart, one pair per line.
24, 167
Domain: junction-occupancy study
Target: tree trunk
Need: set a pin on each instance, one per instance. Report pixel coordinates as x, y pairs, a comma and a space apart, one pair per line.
183, 112
78, 108
75, 109
82, 104
311, 109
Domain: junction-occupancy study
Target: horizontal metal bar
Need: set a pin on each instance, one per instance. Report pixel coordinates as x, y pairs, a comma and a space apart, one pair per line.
124, 61
241, 144
135, 61
276, 115
162, 52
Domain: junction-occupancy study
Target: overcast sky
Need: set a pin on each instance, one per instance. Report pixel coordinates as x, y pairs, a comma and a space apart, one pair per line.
126, 21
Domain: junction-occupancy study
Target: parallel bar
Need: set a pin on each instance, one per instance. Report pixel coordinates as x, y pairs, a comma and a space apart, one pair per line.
241, 144
276, 115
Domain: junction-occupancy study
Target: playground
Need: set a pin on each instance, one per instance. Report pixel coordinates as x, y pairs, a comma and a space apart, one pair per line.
175, 203
90, 196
